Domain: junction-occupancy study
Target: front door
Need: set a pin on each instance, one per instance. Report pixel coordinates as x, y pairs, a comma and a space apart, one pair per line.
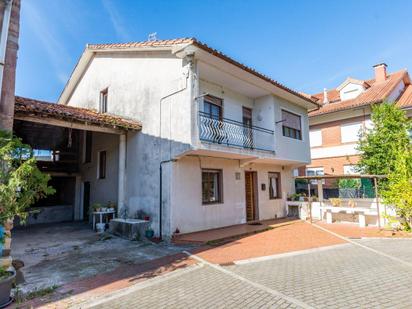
251, 196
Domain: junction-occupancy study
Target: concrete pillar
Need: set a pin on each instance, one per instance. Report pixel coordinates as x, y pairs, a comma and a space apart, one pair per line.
320, 190
122, 174
362, 219
329, 218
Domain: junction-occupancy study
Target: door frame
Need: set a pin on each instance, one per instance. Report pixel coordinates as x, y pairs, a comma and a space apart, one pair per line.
255, 196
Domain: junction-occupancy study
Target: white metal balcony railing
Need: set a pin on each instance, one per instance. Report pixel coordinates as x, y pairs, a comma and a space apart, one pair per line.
234, 133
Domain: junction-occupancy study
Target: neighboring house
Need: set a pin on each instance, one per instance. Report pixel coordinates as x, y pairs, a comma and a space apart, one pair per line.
335, 127
218, 141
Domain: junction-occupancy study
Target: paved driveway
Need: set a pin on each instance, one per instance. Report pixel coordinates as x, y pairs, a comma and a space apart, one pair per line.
340, 276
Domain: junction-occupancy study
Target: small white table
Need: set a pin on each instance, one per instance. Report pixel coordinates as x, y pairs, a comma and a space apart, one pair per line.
101, 214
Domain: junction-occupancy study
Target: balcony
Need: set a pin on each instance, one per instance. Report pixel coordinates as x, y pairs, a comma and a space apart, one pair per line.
234, 133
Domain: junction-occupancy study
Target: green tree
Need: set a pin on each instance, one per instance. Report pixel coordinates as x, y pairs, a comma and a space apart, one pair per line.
21, 182
381, 145
399, 189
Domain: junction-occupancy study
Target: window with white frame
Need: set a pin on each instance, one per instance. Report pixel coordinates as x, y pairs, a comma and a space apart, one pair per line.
315, 137
315, 171
103, 101
350, 132
349, 169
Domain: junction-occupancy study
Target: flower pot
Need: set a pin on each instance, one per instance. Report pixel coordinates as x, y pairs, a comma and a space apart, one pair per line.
147, 218
100, 227
5, 288
149, 233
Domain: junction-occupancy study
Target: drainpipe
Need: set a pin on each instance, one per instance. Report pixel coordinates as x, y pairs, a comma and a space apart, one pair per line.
3, 39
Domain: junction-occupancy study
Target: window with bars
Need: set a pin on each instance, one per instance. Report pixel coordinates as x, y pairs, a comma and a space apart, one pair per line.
211, 186
291, 125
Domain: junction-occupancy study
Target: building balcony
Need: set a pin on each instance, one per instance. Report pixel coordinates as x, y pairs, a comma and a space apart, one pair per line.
233, 133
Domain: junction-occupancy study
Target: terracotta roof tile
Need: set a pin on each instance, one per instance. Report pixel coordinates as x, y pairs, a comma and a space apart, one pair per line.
194, 41
406, 98
377, 92
31, 107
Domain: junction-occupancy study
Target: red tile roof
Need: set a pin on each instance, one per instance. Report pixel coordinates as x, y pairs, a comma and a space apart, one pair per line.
195, 42
406, 98
376, 93
31, 107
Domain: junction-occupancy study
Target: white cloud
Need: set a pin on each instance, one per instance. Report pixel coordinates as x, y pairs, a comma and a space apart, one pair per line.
116, 21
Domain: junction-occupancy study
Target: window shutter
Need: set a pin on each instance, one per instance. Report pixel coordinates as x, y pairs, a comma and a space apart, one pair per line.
291, 120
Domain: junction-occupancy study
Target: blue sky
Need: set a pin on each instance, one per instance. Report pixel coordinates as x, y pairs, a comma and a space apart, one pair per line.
307, 45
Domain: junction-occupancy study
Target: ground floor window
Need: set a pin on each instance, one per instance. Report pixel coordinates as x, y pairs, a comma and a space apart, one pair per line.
101, 173
211, 186
274, 185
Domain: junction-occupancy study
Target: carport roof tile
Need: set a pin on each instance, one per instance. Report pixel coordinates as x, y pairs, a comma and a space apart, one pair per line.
32, 107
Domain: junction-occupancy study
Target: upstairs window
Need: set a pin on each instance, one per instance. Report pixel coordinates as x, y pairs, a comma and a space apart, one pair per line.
350, 132
274, 185
291, 125
315, 138
103, 101
212, 107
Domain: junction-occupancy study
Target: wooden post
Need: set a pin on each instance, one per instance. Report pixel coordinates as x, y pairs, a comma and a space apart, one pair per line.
375, 182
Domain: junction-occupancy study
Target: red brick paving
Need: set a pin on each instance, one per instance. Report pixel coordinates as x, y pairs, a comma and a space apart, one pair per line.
227, 232
294, 236
120, 278
354, 231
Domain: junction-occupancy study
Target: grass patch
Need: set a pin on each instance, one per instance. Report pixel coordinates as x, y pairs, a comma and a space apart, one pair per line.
37, 293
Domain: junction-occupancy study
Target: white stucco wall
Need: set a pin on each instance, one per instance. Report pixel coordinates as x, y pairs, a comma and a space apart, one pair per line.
156, 90
288, 148
188, 212
102, 190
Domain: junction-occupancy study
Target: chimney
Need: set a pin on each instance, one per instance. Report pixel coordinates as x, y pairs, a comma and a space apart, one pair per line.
380, 72
325, 96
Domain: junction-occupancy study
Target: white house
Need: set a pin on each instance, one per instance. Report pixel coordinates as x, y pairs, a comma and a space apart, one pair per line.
218, 141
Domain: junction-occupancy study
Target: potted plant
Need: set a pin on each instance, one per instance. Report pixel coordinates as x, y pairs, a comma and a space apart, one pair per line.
96, 206
336, 202
111, 206
149, 233
21, 184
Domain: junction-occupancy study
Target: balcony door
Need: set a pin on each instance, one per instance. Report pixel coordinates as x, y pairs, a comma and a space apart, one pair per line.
251, 191
212, 110
247, 127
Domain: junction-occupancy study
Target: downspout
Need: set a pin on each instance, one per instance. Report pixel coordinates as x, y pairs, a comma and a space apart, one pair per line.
3, 39
170, 149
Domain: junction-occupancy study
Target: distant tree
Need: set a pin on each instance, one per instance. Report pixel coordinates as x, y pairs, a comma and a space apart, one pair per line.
381, 145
